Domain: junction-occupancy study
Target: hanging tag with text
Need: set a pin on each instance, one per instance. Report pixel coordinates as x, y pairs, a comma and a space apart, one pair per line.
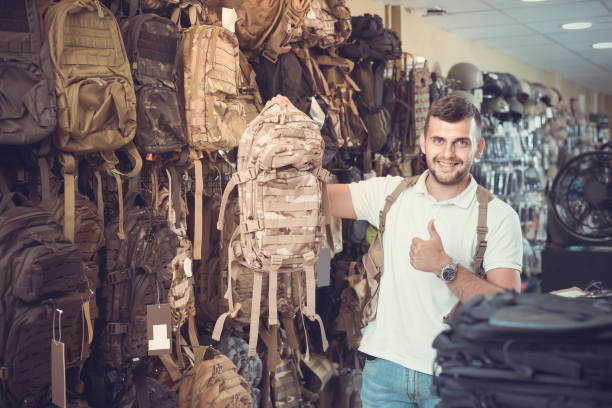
159, 329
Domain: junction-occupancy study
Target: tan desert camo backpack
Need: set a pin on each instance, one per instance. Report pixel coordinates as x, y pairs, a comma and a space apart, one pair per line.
283, 207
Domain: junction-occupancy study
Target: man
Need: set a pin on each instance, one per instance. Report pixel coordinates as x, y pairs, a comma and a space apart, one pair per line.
431, 225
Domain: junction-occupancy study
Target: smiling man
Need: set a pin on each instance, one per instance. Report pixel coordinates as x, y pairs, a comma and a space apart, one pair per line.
429, 245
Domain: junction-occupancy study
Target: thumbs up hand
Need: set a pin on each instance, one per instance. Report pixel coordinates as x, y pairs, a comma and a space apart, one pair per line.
428, 255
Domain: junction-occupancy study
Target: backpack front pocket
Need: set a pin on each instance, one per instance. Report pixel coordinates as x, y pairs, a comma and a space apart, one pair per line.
160, 127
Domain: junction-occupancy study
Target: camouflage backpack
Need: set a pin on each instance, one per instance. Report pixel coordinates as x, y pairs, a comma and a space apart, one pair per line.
327, 24
28, 102
152, 44
213, 382
268, 27
210, 77
283, 207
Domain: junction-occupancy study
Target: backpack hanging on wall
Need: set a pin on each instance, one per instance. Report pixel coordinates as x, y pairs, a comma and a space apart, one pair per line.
267, 28
95, 95
41, 273
27, 104
283, 207
152, 44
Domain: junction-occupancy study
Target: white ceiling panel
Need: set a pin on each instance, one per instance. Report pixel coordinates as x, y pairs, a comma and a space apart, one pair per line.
515, 41
477, 33
570, 11
554, 26
451, 6
532, 33
465, 20
517, 4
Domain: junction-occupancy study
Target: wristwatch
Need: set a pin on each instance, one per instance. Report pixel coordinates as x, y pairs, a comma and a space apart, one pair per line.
448, 273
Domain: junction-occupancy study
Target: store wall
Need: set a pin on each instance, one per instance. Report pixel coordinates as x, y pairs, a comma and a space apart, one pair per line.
444, 49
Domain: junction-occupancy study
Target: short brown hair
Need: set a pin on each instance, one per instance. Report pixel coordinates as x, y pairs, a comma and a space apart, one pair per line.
453, 108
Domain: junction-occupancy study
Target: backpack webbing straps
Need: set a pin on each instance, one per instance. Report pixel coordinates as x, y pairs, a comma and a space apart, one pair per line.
483, 196
69, 170
197, 227
99, 195
238, 177
391, 198
232, 309
171, 367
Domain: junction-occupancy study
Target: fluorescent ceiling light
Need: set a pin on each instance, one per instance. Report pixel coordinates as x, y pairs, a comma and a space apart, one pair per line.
602, 45
577, 26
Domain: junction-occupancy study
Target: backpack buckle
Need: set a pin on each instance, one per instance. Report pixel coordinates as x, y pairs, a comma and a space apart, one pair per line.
4, 374
270, 55
482, 230
322, 174
482, 244
117, 328
118, 276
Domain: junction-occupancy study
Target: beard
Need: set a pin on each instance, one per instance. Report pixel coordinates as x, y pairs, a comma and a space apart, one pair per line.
448, 178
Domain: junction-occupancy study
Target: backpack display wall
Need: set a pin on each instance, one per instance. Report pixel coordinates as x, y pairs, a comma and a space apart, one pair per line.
136, 120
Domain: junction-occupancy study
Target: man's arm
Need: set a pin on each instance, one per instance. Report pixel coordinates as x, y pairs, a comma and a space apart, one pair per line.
340, 201
429, 256
467, 285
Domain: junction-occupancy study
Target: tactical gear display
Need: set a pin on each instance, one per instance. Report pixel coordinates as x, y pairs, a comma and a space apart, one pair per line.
125, 126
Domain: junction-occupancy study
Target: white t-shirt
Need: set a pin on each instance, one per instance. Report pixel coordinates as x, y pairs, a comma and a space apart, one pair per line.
412, 303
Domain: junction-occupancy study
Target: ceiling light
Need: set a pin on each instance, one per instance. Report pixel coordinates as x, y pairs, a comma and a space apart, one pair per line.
532, 1
576, 26
602, 45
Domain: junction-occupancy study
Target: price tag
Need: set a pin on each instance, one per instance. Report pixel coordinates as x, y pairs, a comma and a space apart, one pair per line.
188, 267
228, 18
549, 113
324, 268
58, 363
159, 329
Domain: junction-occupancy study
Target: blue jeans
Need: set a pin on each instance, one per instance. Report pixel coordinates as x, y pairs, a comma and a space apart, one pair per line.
390, 385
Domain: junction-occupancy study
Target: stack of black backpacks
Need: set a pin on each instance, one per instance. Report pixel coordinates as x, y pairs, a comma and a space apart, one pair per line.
531, 350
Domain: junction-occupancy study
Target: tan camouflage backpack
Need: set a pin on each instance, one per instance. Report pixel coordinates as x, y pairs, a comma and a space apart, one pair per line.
209, 84
327, 24
213, 382
268, 27
283, 207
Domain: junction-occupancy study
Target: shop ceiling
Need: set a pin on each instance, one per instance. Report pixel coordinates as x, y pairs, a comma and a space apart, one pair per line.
531, 32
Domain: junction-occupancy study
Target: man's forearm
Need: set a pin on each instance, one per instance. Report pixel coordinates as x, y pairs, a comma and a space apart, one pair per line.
467, 285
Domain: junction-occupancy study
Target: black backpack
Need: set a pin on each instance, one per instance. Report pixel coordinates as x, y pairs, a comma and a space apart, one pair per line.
370, 40
27, 102
288, 77
152, 44
41, 272
529, 350
136, 275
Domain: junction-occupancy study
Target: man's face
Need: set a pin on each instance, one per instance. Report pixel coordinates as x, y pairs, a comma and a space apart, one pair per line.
450, 149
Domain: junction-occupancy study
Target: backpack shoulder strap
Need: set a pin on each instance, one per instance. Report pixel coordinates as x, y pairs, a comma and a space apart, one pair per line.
483, 196
406, 182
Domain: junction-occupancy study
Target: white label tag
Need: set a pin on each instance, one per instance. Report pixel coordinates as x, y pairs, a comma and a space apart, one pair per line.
324, 267
549, 113
478, 95
159, 320
228, 18
187, 267
58, 374
316, 113
160, 341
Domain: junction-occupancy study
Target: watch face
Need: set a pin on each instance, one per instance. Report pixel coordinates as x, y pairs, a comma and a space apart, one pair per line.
448, 274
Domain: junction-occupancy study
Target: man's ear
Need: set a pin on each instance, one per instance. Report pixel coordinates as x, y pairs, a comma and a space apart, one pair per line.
422, 142
481, 146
